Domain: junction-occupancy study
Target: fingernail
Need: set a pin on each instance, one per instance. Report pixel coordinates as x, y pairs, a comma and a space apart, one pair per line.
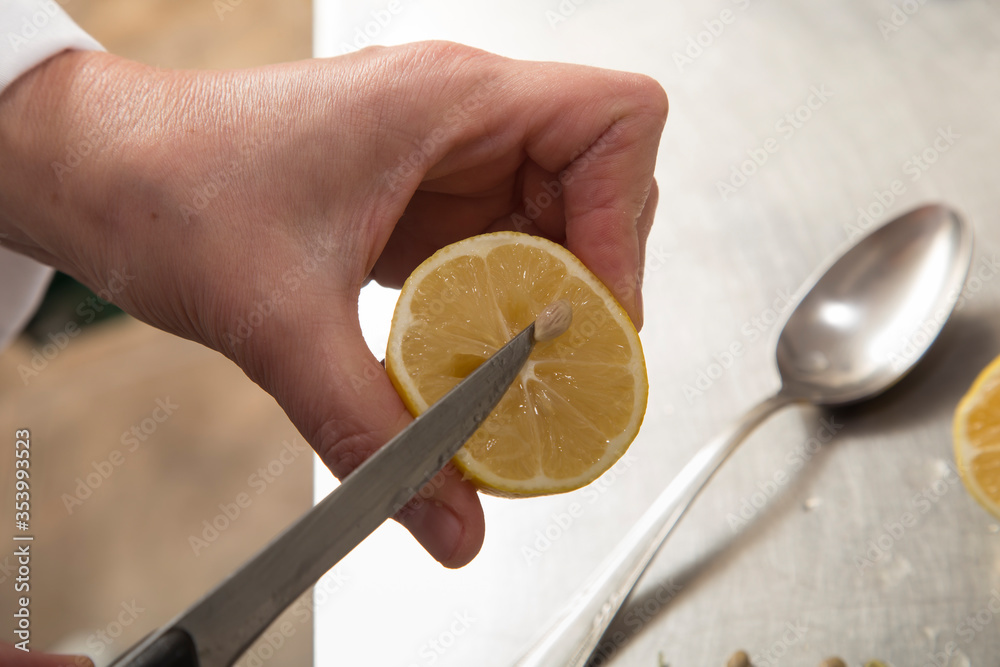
436, 528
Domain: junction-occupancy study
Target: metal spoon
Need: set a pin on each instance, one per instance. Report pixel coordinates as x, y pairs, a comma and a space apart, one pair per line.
865, 322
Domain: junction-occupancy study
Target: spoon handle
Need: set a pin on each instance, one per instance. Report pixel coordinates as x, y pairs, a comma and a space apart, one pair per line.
573, 636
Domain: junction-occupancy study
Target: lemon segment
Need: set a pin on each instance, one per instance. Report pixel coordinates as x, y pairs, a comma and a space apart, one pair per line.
580, 398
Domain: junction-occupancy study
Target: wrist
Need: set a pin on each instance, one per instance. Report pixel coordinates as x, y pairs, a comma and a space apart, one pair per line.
60, 127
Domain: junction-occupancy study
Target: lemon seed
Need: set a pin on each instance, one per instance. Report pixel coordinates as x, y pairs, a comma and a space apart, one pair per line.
553, 320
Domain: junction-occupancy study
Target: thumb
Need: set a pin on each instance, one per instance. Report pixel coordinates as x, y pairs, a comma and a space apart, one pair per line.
340, 397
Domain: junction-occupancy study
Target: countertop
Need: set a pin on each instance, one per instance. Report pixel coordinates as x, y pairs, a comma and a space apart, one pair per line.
798, 549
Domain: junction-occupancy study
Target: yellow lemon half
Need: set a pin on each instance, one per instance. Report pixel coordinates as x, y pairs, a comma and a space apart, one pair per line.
579, 401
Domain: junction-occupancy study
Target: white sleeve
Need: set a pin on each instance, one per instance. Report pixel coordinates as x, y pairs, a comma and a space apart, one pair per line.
31, 31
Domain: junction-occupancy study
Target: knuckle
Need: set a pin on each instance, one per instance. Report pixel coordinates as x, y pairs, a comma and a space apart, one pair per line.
440, 61
345, 443
436, 51
344, 446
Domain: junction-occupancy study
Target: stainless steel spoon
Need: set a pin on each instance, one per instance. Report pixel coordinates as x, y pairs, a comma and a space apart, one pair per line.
865, 322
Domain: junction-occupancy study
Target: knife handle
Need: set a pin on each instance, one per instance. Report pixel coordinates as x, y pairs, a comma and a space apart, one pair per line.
174, 648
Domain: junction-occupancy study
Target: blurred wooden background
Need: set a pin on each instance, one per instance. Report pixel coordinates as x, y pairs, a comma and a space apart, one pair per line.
114, 513
200, 34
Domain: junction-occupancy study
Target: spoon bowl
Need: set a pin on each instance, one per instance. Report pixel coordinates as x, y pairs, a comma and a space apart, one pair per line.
868, 318
873, 313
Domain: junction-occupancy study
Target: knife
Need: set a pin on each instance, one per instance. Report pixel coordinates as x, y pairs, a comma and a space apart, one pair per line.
217, 630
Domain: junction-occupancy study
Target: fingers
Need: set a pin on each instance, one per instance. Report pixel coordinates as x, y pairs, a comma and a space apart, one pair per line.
542, 203
445, 219
561, 150
585, 141
340, 398
608, 185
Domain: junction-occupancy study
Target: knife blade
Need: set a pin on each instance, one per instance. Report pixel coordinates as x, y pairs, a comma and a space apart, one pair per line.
221, 626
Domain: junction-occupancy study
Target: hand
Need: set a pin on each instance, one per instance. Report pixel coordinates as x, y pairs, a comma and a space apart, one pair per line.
245, 209
13, 657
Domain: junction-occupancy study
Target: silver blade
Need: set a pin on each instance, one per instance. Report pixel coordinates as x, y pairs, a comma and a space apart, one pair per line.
227, 620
